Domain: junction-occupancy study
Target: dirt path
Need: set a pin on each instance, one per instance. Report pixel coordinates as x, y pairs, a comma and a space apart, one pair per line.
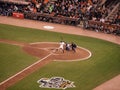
59, 28
49, 53
115, 83
25, 72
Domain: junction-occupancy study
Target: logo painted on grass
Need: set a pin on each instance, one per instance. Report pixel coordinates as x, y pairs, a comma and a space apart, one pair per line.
55, 82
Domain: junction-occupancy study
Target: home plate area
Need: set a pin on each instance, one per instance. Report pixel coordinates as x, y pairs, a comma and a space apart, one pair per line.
42, 49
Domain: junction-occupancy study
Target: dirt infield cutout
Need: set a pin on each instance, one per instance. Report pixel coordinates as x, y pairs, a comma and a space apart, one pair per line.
50, 47
46, 52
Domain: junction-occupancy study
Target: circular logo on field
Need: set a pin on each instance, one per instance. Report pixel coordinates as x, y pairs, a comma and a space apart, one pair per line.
55, 82
48, 27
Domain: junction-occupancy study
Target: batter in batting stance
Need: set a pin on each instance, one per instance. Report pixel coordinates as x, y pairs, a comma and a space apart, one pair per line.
61, 47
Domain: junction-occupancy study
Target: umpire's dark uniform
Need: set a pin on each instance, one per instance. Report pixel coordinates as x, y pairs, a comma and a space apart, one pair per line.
73, 45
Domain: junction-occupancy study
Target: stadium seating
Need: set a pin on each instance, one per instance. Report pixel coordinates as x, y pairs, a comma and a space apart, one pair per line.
98, 15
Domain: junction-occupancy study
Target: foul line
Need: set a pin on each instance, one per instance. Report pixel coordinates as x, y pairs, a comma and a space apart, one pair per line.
25, 69
70, 60
90, 54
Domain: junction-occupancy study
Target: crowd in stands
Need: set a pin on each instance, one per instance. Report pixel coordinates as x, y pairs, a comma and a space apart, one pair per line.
86, 11
116, 19
6, 9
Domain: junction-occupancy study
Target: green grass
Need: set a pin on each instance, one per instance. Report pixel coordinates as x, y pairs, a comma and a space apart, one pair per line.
12, 60
102, 66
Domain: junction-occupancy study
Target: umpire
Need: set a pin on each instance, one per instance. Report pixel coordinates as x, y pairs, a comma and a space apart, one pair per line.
74, 46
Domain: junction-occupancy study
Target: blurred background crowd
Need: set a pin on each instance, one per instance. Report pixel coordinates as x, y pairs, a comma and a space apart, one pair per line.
97, 15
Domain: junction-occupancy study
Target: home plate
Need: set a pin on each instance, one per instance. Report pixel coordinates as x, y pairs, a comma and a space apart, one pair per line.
48, 27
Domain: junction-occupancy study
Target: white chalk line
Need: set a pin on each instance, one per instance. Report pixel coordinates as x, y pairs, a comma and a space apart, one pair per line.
25, 69
90, 54
44, 42
70, 60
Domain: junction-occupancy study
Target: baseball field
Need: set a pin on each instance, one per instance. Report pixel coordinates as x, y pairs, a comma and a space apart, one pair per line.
87, 74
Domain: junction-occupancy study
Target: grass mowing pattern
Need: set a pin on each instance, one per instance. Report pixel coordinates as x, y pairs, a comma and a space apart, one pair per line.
102, 66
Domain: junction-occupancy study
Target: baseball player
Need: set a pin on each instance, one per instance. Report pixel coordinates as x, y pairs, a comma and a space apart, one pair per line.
61, 47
